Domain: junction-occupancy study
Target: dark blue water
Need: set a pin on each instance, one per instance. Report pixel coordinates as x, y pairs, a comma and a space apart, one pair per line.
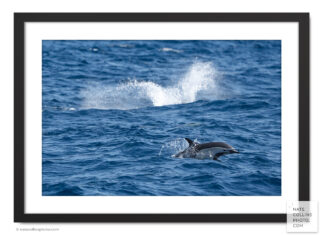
114, 113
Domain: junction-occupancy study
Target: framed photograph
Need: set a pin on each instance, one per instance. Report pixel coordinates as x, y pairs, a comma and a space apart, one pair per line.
160, 117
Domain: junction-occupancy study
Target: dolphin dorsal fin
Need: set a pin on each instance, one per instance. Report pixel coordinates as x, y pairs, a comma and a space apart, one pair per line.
190, 142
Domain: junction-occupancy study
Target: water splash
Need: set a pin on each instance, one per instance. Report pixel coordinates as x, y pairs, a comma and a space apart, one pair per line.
201, 82
173, 147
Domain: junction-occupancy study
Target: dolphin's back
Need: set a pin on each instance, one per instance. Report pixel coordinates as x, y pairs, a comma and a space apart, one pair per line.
212, 145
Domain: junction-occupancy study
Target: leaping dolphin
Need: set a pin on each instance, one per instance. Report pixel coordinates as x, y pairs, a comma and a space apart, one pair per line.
212, 150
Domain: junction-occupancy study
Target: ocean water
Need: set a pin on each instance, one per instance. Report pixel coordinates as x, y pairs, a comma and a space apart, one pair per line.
115, 112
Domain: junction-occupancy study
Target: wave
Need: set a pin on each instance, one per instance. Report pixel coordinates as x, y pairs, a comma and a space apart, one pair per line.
200, 82
167, 49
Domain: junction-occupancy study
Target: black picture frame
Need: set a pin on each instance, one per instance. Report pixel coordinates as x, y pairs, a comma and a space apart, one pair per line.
19, 111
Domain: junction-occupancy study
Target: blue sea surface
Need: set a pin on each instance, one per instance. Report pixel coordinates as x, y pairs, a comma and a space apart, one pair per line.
114, 114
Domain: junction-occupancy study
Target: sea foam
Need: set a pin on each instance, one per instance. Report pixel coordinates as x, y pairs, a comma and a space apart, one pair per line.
200, 82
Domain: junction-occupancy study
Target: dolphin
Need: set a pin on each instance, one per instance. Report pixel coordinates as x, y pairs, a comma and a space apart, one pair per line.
212, 150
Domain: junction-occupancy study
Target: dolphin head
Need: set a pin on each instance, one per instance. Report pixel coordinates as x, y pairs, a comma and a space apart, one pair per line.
220, 149
225, 150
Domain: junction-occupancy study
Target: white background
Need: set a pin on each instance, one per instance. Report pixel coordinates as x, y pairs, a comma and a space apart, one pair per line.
6, 99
